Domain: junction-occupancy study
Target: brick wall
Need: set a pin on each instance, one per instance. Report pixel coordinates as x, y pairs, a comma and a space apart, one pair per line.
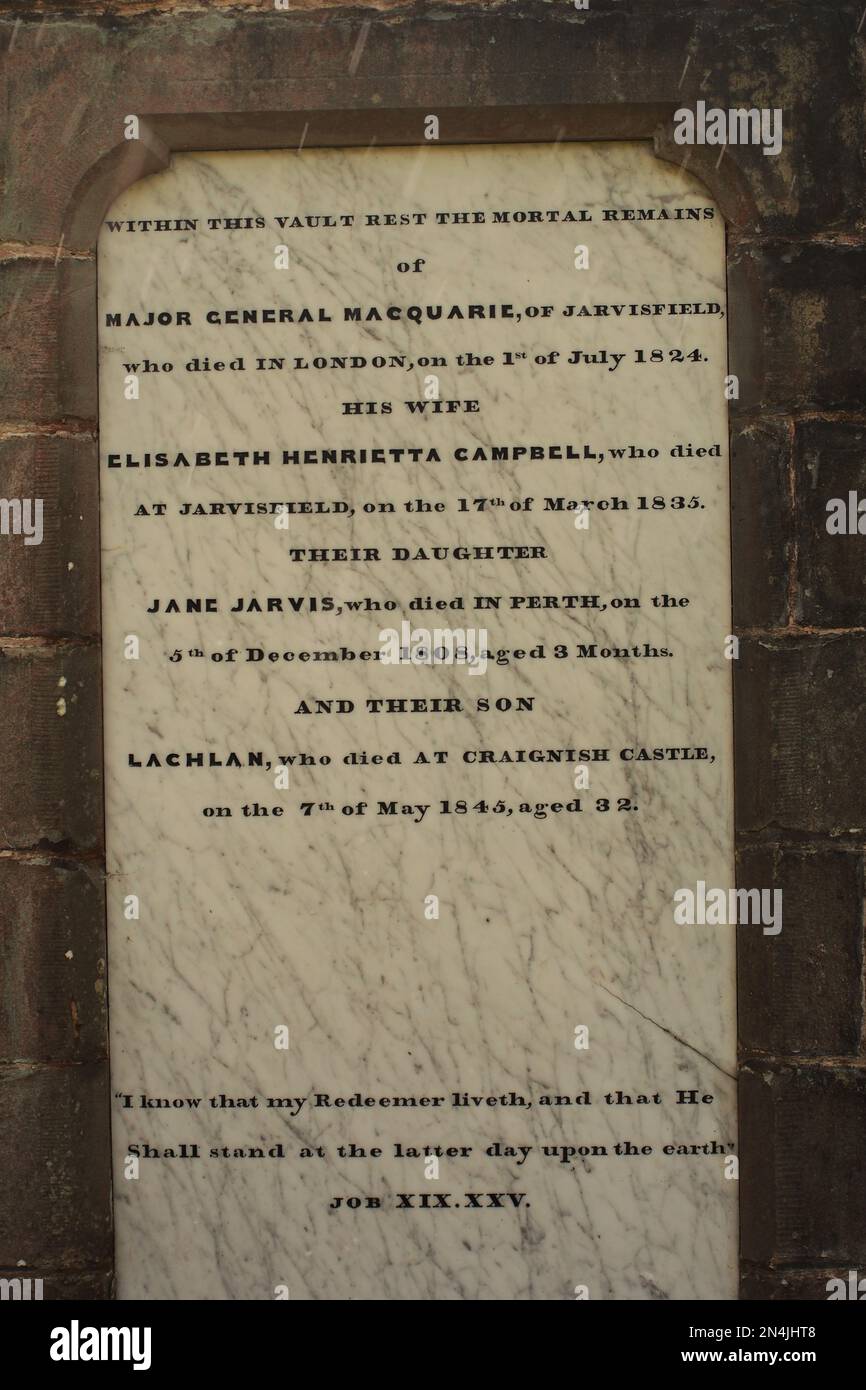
797, 256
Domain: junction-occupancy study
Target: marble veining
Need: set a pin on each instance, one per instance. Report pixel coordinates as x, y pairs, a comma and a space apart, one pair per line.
317, 922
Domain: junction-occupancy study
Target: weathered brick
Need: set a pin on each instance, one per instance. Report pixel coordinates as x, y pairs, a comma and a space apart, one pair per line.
47, 336
801, 991
52, 962
761, 522
807, 334
72, 79
801, 734
69, 1286
28, 340
52, 589
803, 1132
830, 462
55, 1180
51, 761
764, 1284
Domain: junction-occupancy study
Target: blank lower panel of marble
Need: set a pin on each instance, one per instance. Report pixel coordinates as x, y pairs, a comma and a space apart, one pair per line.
467, 941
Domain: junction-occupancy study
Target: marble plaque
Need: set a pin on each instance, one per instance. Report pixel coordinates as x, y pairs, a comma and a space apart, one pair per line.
416, 591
